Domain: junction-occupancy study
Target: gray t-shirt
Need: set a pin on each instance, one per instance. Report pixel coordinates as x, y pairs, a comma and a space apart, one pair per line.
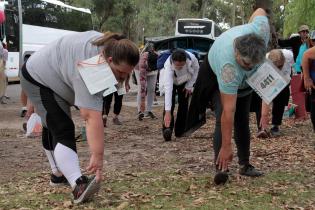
55, 66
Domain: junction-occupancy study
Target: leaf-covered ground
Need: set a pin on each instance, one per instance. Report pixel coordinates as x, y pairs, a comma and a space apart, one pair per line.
141, 171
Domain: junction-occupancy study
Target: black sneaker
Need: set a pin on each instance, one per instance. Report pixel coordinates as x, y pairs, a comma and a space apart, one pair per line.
262, 134
249, 170
140, 116
85, 189
167, 134
150, 115
57, 181
23, 112
275, 131
24, 126
221, 177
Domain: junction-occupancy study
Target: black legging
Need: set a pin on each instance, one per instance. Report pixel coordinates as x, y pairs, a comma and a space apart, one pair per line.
54, 111
181, 111
279, 103
107, 101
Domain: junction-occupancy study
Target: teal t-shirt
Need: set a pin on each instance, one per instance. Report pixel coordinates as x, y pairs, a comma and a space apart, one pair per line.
230, 75
298, 64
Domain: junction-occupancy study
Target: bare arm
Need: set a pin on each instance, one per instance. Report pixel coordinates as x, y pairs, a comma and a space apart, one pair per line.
227, 122
264, 115
309, 54
258, 12
95, 137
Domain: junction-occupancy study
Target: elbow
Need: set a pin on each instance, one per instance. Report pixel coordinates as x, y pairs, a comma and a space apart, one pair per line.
84, 115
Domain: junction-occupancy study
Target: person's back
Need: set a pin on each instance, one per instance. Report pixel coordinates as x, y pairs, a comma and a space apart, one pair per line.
55, 62
222, 56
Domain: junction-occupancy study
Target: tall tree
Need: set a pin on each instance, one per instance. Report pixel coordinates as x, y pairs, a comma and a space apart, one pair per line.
298, 12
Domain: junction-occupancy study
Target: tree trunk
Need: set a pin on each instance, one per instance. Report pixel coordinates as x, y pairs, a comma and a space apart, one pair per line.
233, 13
267, 5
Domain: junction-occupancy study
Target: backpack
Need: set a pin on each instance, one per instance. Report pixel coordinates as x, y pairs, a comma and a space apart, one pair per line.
164, 56
152, 61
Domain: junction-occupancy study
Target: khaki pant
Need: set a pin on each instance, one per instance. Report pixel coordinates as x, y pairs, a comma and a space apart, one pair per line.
3, 80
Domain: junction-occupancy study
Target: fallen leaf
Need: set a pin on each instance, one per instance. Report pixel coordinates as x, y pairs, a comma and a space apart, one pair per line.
122, 206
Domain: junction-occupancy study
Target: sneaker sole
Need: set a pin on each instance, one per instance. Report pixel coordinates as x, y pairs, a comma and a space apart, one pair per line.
91, 189
148, 117
52, 184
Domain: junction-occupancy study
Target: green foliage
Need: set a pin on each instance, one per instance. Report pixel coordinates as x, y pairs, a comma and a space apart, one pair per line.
146, 18
299, 12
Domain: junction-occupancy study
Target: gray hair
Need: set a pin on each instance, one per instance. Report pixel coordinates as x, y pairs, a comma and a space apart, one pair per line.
251, 47
277, 57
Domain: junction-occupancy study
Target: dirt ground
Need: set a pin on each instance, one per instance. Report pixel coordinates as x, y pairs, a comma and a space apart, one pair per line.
138, 146
131, 147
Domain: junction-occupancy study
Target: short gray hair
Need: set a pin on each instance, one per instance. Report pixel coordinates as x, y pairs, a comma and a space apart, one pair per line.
251, 47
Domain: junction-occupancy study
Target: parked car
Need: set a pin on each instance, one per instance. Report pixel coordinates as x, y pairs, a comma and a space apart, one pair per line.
199, 46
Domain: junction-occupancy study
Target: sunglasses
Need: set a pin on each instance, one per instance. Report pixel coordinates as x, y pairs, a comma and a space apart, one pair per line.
313, 40
304, 31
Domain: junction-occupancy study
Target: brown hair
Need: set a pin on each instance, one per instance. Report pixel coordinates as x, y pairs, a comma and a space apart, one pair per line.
119, 48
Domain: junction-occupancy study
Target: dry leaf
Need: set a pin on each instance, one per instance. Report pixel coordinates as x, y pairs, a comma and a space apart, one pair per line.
122, 206
67, 204
199, 201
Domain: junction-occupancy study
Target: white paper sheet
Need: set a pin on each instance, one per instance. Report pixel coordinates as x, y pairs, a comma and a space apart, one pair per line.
97, 76
267, 81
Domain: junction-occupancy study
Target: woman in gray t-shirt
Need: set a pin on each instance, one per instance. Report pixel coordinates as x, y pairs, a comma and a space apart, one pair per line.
52, 82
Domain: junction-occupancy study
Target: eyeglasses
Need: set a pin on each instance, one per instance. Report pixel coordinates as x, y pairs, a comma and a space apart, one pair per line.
304, 31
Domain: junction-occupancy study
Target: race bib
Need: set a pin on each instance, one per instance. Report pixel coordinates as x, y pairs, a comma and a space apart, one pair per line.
267, 81
97, 75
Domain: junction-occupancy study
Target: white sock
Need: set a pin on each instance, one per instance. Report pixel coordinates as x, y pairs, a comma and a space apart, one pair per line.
52, 162
68, 163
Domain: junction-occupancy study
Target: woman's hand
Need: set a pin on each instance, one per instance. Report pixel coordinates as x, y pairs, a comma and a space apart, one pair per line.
224, 158
309, 84
96, 166
187, 92
167, 119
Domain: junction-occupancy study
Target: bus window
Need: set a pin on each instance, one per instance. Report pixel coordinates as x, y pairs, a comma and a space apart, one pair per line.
179, 43
194, 27
202, 45
197, 27
40, 13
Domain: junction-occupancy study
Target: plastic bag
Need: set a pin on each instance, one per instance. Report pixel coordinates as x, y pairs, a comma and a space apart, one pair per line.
34, 126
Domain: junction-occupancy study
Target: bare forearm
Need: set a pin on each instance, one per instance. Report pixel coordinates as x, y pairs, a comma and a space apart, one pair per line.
95, 135
227, 119
264, 109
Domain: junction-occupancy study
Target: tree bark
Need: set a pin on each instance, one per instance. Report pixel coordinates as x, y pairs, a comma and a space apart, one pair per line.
267, 6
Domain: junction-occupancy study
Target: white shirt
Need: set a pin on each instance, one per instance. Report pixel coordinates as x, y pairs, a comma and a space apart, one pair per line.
289, 61
190, 70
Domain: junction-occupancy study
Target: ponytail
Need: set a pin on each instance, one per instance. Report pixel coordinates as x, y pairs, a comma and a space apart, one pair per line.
119, 48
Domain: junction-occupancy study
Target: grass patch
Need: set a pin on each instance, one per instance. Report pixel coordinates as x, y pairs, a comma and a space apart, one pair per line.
170, 190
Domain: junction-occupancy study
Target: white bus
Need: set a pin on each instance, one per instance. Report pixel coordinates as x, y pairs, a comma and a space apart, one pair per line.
43, 21
197, 27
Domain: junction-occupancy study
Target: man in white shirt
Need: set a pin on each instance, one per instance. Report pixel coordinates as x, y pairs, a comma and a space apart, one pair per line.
283, 59
180, 73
